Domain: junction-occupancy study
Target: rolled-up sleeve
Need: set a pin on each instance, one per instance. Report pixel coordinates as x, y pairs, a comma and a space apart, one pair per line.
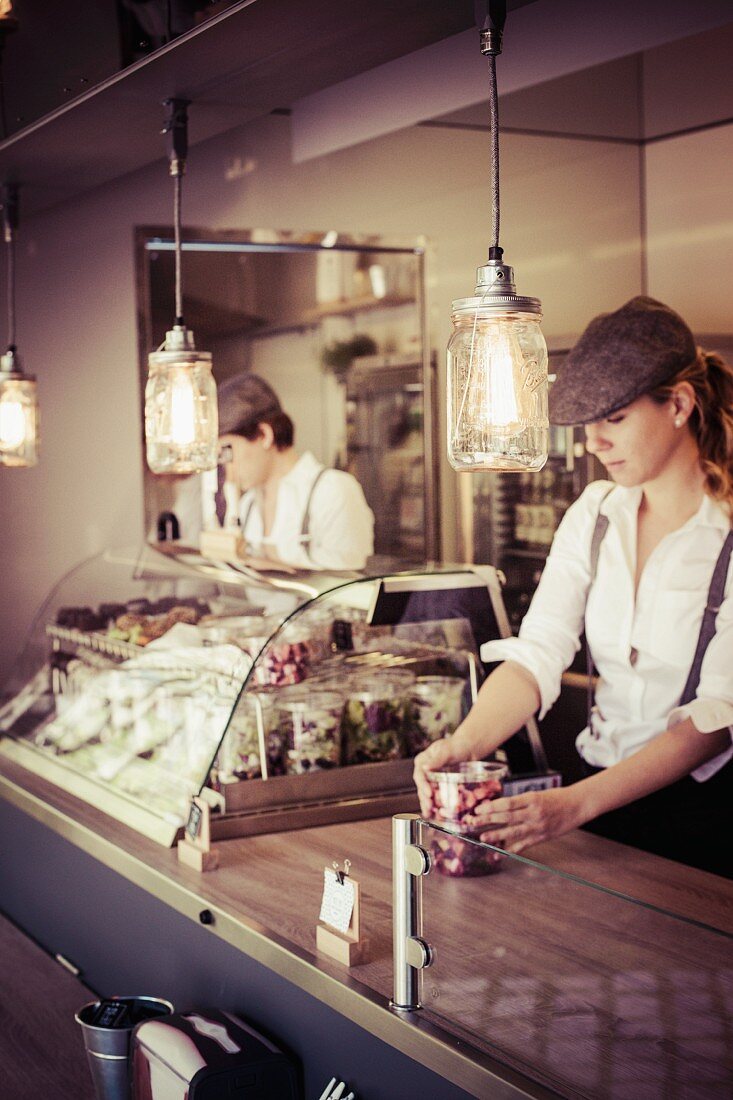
549, 636
341, 523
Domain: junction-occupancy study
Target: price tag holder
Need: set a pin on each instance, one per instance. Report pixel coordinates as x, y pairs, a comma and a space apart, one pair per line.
338, 932
195, 848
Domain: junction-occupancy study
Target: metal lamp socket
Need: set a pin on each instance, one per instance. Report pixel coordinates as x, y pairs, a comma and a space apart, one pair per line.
179, 347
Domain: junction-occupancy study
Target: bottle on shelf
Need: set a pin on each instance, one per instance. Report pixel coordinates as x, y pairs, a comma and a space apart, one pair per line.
521, 511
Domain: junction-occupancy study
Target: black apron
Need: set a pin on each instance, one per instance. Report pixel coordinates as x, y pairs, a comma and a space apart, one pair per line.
688, 821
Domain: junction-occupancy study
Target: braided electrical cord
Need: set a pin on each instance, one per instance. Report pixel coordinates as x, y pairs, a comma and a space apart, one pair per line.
177, 186
10, 243
494, 128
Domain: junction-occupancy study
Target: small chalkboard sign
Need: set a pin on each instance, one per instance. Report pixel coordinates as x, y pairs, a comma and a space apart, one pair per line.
195, 819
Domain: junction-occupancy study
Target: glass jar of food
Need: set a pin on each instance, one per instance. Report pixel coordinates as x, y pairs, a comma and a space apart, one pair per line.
457, 791
287, 659
434, 710
374, 718
310, 728
239, 754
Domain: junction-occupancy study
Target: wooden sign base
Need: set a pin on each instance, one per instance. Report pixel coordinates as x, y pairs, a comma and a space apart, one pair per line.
344, 948
195, 848
222, 543
195, 857
349, 947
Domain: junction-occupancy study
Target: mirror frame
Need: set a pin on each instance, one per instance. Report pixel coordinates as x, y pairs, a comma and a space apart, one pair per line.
283, 240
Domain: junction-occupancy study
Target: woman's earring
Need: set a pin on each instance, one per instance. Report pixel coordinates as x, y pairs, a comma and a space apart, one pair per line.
678, 422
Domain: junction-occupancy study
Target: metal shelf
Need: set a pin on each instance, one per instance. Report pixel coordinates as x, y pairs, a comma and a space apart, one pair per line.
252, 59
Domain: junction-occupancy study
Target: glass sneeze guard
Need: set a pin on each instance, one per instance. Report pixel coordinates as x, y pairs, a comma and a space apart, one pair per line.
581, 989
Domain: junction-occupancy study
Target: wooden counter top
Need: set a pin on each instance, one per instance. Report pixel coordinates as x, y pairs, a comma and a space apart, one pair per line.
564, 981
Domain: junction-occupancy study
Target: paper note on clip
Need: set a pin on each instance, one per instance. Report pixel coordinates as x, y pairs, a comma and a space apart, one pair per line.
338, 901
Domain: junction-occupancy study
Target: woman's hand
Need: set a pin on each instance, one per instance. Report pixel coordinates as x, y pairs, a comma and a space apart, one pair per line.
444, 751
521, 820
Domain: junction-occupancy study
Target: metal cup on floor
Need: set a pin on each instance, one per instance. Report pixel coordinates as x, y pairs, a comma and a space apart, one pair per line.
107, 1025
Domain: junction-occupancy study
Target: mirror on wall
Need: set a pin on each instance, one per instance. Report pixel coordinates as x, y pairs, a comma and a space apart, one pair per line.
336, 325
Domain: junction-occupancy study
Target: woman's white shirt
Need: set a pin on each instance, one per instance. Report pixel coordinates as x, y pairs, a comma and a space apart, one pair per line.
341, 523
642, 645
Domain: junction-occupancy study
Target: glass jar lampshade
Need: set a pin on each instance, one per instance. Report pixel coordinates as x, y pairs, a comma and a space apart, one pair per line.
181, 420
18, 416
497, 378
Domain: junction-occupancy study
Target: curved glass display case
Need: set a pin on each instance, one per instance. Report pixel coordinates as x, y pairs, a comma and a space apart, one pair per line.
285, 699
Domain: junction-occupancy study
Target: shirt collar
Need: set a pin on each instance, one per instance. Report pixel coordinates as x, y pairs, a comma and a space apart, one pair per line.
622, 502
304, 469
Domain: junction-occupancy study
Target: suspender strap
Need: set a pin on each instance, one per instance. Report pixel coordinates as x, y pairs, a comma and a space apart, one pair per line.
599, 533
247, 514
305, 529
707, 628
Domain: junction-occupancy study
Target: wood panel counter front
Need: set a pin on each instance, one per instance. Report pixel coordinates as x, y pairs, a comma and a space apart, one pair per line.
577, 991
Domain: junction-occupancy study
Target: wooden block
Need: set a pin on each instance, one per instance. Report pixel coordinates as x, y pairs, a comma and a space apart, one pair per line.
221, 543
194, 856
345, 949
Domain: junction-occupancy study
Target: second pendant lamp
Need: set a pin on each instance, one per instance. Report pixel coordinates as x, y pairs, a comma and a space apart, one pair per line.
181, 420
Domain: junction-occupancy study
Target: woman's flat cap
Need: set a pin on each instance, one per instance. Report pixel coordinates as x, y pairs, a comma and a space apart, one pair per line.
619, 357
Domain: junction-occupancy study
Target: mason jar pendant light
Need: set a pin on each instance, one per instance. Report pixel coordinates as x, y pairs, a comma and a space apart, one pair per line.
18, 398
181, 420
497, 356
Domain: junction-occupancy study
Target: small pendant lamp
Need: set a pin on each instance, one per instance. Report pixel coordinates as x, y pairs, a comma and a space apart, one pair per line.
181, 420
19, 425
497, 356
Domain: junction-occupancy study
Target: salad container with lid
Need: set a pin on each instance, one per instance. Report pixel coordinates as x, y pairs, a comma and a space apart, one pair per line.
434, 710
239, 755
374, 719
457, 792
310, 728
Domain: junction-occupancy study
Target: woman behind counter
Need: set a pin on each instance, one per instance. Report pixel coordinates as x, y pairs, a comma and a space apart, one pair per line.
293, 509
658, 413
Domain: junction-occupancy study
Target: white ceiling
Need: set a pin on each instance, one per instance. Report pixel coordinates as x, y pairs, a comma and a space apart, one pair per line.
547, 40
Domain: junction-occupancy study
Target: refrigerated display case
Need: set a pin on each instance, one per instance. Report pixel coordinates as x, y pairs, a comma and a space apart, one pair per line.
155, 675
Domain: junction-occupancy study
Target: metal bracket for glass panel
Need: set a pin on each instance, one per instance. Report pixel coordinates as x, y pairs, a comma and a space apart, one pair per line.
262, 743
472, 676
411, 953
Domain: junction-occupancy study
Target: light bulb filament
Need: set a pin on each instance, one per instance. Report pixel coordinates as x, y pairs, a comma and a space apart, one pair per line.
183, 409
12, 425
501, 399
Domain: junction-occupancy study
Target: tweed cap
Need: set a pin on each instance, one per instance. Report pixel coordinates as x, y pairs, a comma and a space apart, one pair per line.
243, 401
619, 357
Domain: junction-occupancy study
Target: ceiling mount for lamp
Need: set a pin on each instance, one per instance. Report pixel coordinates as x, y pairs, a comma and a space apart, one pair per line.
181, 421
497, 356
18, 398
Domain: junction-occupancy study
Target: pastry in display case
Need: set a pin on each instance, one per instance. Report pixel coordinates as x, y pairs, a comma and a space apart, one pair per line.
154, 675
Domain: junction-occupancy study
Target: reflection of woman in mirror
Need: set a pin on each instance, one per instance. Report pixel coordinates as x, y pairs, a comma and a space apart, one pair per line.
293, 510
656, 754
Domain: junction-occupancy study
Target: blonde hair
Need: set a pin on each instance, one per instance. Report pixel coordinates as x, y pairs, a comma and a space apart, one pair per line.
711, 421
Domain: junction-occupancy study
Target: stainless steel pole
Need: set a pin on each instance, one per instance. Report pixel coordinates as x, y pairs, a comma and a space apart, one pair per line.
410, 952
